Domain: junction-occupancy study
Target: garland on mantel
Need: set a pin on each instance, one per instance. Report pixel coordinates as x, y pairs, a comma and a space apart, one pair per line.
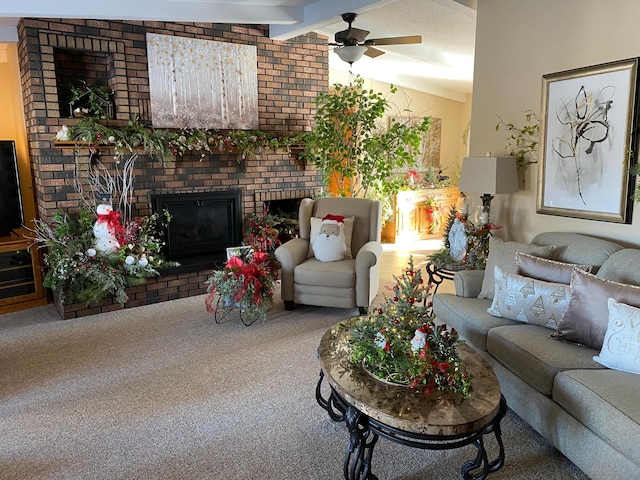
166, 144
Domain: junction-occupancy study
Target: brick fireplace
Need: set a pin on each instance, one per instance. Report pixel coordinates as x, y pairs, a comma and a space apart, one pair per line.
113, 53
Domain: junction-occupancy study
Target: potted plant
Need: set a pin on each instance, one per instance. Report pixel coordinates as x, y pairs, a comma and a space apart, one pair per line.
351, 147
86, 100
261, 231
523, 141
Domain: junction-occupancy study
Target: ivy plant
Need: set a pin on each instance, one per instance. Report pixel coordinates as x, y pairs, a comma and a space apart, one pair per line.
523, 141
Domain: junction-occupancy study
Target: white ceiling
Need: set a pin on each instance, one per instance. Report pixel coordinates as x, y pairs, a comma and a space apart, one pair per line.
441, 65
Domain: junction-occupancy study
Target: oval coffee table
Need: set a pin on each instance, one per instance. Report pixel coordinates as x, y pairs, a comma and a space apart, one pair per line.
434, 421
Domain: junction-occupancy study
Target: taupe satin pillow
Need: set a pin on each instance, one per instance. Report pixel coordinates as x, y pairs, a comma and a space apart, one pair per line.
503, 254
545, 269
587, 318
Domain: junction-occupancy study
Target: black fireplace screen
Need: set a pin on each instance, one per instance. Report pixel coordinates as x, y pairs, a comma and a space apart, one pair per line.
203, 225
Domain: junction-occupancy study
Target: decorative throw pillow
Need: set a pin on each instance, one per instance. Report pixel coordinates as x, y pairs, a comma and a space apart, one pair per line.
329, 245
529, 300
621, 346
585, 321
316, 223
545, 269
504, 254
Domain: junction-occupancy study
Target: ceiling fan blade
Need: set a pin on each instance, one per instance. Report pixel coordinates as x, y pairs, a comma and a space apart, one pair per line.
396, 40
373, 52
351, 34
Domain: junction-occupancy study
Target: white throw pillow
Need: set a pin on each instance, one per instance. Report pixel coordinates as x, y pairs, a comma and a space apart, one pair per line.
528, 300
621, 346
316, 223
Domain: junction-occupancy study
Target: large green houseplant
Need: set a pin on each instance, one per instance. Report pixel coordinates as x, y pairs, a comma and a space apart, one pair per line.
353, 148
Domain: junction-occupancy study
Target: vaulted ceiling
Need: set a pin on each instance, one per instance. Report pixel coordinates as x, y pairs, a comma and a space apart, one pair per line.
442, 64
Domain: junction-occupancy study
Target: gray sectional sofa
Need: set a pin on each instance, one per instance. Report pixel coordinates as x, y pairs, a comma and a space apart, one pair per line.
589, 412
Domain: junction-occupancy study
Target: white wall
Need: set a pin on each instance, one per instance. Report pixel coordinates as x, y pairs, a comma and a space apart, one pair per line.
517, 42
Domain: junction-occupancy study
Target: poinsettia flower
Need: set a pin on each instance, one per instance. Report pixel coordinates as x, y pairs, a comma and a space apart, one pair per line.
234, 262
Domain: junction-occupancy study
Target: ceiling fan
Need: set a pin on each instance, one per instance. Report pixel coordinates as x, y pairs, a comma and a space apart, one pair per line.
352, 43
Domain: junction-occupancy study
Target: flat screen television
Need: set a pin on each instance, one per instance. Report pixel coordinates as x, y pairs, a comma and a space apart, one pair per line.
11, 216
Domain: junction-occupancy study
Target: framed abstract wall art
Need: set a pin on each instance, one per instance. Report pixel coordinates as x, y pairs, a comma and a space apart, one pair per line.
588, 135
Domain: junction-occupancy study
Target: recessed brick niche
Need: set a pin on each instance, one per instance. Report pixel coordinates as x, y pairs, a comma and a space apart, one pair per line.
113, 54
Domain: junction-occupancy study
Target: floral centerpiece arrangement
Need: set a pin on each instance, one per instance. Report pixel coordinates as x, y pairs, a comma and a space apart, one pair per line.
249, 277
81, 272
400, 342
247, 282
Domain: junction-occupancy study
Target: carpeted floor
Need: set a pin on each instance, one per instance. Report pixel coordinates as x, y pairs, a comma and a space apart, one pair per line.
163, 392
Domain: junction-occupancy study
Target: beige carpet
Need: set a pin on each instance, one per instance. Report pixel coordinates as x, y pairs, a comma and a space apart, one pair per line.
162, 392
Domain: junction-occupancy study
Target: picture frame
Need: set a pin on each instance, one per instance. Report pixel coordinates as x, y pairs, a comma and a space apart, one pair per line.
587, 142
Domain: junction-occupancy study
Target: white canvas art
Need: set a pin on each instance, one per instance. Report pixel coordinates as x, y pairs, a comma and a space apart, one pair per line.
588, 135
202, 83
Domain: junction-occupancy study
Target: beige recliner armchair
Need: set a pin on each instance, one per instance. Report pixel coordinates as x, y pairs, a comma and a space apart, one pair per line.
348, 283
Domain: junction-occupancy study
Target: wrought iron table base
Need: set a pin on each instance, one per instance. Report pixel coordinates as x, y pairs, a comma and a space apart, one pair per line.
365, 431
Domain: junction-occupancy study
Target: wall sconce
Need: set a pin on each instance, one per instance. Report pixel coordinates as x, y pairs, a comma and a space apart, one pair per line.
350, 53
488, 176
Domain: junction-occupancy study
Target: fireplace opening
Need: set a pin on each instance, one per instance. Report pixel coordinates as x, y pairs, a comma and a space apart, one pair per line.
286, 211
203, 225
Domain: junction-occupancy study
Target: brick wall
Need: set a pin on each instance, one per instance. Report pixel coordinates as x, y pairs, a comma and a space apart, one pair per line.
113, 53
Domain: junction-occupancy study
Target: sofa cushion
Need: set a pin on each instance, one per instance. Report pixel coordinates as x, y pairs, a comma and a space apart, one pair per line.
468, 316
528, 300
621, 346
586, 320
578, 248
622, 267
545, 269
528, 352
606, 402
340, 274
504, 254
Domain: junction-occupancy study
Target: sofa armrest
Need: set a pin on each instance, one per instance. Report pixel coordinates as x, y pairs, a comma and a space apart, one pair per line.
367, 272
468, 283
368, 255
290, 254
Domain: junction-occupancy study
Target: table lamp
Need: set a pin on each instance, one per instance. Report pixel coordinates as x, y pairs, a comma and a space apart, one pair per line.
488, 176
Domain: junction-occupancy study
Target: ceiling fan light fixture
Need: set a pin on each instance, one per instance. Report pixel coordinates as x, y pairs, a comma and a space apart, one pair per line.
350, 53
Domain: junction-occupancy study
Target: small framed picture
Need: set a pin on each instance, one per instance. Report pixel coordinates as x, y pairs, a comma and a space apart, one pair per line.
242, 252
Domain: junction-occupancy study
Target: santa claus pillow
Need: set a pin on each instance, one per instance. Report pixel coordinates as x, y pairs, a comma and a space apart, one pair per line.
329, 245
316, 223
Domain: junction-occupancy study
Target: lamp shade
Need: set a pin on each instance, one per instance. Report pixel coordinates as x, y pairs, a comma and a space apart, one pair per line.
489, 175
350, 53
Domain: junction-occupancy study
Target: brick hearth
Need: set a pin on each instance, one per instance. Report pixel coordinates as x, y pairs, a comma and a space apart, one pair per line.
55, 51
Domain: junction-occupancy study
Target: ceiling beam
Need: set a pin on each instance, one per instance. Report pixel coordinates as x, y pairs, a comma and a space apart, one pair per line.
154, 10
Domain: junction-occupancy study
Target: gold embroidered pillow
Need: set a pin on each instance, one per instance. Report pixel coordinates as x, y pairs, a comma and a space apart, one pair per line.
528, 300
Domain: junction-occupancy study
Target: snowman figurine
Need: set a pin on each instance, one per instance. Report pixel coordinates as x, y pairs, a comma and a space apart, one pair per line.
105, 229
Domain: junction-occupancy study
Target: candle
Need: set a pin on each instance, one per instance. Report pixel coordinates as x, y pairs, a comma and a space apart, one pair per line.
484, 218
